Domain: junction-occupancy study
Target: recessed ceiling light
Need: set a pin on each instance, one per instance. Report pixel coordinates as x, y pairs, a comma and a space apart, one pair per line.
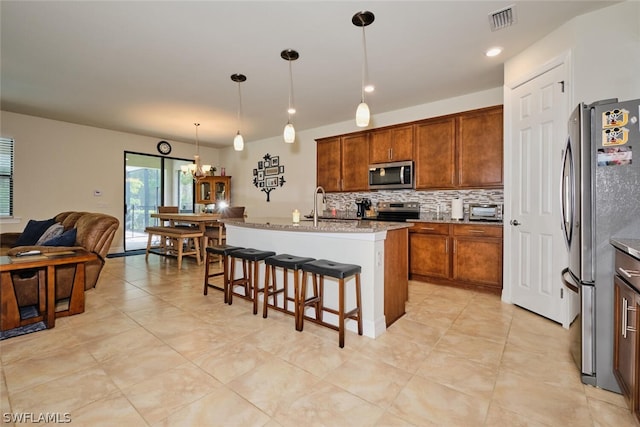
494, 51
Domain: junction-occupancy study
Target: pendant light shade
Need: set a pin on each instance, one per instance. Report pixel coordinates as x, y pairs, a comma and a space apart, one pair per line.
363, 115
238, 140
289, 133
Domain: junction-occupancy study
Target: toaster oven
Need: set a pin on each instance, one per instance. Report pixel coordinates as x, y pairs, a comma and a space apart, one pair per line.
485, 212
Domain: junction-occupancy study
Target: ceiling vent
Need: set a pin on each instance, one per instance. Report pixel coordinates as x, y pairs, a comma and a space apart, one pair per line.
502, 18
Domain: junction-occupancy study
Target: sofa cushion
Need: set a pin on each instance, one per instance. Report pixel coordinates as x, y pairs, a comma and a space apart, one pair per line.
33, 231
54, 231
68, 238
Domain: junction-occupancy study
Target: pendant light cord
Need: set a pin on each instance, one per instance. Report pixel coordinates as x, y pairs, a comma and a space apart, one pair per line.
290, 90
365, 71
197, 143
239, 108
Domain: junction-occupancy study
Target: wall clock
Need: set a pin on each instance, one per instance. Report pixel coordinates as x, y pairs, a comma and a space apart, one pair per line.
164, 147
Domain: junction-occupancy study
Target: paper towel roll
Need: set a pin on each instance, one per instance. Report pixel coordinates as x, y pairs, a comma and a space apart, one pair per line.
456, 209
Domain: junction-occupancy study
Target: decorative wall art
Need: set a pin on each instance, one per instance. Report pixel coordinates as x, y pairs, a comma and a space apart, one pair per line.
269, 174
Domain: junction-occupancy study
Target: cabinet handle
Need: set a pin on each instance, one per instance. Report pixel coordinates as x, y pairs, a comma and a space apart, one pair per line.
625, 318
446, 246
390, 153
427, 228
629, 273
476, 231
454, 246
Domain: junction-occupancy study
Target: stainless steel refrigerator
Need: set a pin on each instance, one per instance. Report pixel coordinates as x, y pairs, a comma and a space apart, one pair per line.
600, 192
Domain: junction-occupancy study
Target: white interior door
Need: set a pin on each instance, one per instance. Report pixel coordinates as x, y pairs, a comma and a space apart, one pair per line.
538, 128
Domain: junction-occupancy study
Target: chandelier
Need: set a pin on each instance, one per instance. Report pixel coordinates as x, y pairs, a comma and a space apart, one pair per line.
196, 169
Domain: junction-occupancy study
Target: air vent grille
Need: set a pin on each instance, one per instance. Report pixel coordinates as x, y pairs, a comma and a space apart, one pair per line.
502, 18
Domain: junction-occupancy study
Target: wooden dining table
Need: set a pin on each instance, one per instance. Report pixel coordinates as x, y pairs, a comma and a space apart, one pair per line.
201, 220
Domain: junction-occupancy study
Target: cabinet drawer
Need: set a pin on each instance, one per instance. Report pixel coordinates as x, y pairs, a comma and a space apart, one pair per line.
430, 228
628, 268
477, 230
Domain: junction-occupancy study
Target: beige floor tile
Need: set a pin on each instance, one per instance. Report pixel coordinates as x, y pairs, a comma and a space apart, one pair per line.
500, 417
389, 420
422, 333
129, 369
460, 374
369, 379
65, 394
491, 329
158, 397
115, 410
127, 342
273, 385
475, 349
604, 395
424, 402
605, 414
221, 407
541, 402
43, 342
328, 405
396, 350
230, 361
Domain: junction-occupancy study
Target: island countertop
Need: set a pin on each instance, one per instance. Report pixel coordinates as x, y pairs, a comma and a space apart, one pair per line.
324, 225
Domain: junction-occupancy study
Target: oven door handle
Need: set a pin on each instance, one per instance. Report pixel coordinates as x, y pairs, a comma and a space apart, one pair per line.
569, 283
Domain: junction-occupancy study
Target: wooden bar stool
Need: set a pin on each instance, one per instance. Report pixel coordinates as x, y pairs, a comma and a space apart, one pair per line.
286, 262
222, 252
250, 279
321, 268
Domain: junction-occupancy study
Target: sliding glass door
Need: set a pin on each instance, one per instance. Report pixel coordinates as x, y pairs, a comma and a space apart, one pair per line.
152, 181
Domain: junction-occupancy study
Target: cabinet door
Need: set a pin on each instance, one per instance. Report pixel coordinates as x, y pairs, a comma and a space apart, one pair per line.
391, 145
480, 149
435, 153
355, 163
204, 191
624, 354
429, 255
328, 164
221, 188
478, 260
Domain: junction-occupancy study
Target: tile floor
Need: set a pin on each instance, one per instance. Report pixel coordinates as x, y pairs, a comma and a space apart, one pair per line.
151, 350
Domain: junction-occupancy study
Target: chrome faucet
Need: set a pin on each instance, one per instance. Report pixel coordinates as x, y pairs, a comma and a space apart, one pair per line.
315, 204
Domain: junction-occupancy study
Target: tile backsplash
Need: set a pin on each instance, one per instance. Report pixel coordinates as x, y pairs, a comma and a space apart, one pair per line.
428, 200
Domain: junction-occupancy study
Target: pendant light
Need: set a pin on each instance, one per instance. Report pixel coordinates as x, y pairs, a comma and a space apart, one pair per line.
289, 131
238, 141
363, 19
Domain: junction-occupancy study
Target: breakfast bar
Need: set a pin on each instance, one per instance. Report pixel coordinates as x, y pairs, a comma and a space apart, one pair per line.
380, 248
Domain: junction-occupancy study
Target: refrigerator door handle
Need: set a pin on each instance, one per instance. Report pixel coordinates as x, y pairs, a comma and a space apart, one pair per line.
569, 283
567, 191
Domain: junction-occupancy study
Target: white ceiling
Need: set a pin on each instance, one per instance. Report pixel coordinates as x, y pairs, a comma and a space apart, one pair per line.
156, 67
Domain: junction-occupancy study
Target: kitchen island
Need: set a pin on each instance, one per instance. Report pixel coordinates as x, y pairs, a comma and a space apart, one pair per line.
380, 248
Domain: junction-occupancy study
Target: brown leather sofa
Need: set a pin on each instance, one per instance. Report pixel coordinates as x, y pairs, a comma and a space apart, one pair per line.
95, 232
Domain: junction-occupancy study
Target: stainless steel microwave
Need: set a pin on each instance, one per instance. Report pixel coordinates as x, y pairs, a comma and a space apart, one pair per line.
389, 176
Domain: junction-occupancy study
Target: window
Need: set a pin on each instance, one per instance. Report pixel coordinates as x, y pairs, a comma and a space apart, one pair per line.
6, 177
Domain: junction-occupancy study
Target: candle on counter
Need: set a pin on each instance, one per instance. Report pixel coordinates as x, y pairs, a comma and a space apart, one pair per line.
295, 216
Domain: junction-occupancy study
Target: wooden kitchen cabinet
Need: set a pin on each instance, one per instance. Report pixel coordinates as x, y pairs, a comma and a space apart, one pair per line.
626, 341
429, 250
396, 274
392, 144
342, 163
464, 255
477, 255
461, 150
213, 189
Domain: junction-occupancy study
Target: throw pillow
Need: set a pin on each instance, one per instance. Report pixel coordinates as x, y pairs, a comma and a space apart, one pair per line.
33, 231
54, 231
68, 238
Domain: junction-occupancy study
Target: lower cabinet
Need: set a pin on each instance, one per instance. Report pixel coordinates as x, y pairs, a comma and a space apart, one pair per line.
465, 255
626, 342
396, 266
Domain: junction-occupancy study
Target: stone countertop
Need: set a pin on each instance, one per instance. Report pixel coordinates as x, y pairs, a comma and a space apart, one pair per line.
629, 246
324, 225
446, 219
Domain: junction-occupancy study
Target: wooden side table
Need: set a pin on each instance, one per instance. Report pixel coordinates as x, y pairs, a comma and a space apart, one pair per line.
45, 265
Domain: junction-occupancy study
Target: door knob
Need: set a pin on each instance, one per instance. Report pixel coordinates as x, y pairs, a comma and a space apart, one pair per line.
515, 222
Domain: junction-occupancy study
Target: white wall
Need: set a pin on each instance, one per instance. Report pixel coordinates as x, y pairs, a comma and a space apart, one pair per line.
58, 165
299, 158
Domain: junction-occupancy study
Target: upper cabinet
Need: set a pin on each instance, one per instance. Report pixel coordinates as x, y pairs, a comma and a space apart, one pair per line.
391, 144
213, 189
342, 163
463, 150
460, 151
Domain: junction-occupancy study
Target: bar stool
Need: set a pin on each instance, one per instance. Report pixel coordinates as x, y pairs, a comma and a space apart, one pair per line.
286, 262
222, 252
342, 272
250, 261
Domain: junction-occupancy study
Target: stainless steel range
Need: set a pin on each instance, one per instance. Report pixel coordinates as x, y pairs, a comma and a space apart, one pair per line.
397, 211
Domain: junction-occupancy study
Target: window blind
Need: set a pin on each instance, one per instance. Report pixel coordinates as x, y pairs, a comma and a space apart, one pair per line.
6, 177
